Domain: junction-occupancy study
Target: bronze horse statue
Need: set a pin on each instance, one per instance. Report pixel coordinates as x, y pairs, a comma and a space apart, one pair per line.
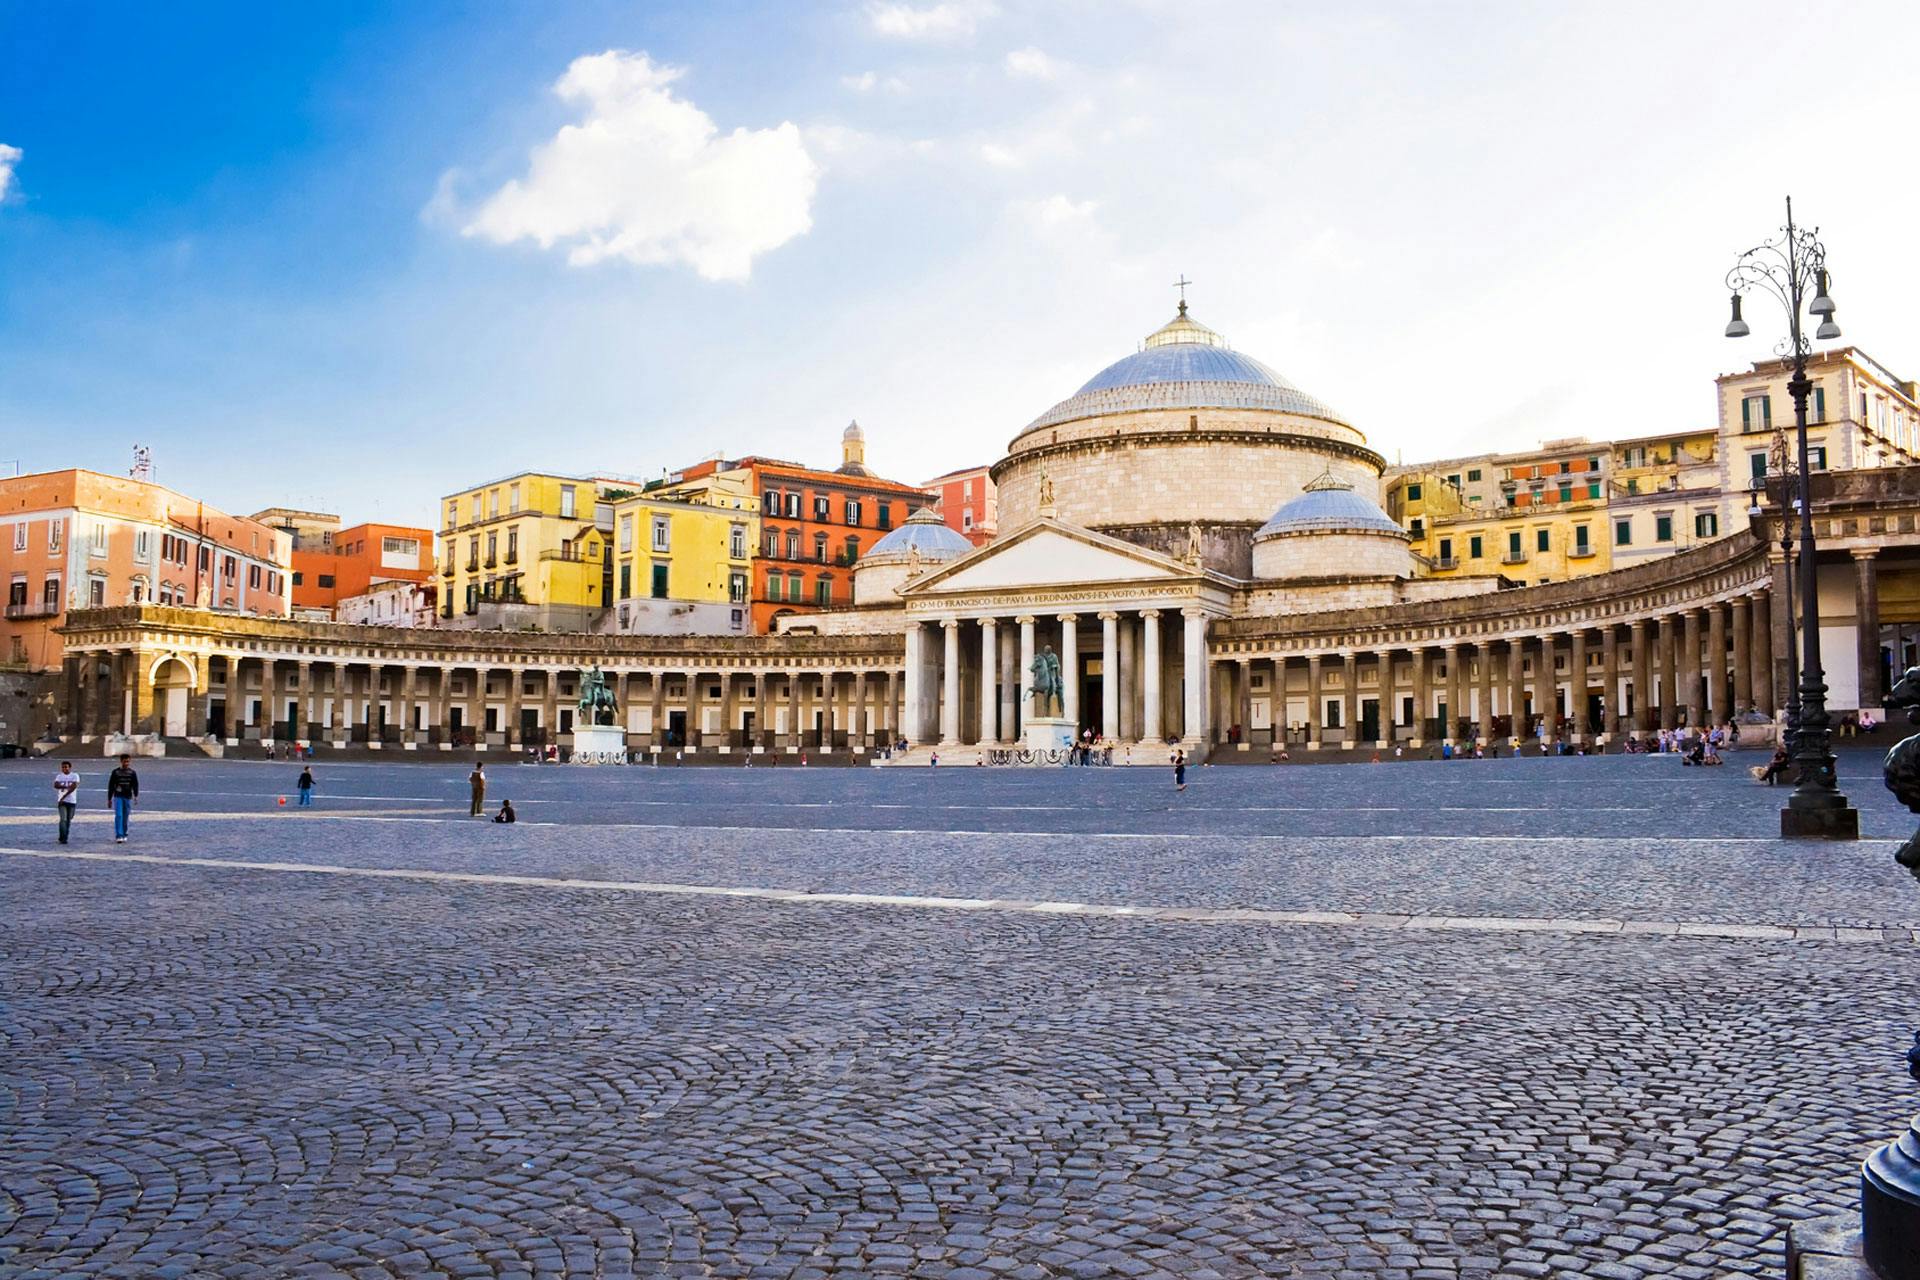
1902, 768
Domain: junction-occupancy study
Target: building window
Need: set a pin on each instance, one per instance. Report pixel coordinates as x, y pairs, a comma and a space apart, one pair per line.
770, 502
737, 542
819, 546
773, 586
1706, 524
1474, 547
1623, 533
97, 592
253, 577
20, 539
626, 581
853, 511
1817, 457
326, 581
885, 514
493, 549
299, 578
1514, 551
626, 535
966, 522
1543, 540
453, 513
513, 546
1756, 413
823, 590
1566, 491
773, 542
737, 587
1446, 550
822, 507
1473, 476
1454, 479
566, 502
1413, 493
16, 592
660, 541
793, 544
50, 593
1663, 528
1593, 490
54, 529
1819, 404
513, 497
659, 582
1580, 539
1757, 467
1418, 528
493, 503
796, 588
793, 506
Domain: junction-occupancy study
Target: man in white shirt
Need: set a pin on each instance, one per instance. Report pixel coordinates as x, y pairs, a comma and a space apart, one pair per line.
66, 796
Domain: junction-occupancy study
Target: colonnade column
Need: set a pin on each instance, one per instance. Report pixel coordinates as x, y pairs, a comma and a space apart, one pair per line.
1577, 687
1129, 726
890, 712
1610, 676
1456, 694
950, 706
759, 737
1314, 712
657, 710
1243, 700
989, 680
1383, 698
1350, 699
1716, 700
1642, 677
1866, 618
1422, 694
1669, 682
1010, 679
1742, 654
1070, 669
1517, 688
1690, 667
1194, 728
234, 697
1762, 656
1150, 726
1485, 655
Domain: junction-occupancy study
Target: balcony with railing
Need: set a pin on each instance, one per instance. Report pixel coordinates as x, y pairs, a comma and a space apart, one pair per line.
32, 609
1582, 551
1447, 562
1514, 557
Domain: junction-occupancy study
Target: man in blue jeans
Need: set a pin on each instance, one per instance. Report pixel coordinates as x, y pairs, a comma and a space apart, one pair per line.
123, 788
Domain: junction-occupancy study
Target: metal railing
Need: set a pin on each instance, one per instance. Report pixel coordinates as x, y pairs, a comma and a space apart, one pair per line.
33, 609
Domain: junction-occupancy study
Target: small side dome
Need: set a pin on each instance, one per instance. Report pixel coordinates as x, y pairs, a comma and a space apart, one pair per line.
1329, 506
924, 532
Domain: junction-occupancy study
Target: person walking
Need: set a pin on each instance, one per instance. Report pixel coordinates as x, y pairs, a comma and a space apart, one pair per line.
66, 796
1179, 771
306, 788
477, 780
123, 788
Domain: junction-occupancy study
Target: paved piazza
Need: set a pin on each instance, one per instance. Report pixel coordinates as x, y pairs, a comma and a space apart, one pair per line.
1515, 1018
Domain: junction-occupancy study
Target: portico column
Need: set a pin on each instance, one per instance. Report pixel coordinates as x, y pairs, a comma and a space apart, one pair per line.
1642, 677
1716, 700
1610, 675
235, 696
989, 680
690, 715
950, 704
1384, 698
1421, 693
1009, 687
916, 673
1517, 725
758, 738
1129, 680
1151, 729
1194, 727
1669, 681
1760, 675
862, 712
1109, 674
1546, 688
1577, 692
305, 702
1243, 700
1070, 669
1742, 654
1866, 622
1689, 667
1350, 700
1314, 713
1026, 665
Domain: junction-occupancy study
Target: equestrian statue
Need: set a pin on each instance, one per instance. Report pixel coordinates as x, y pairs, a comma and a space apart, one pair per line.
596, 697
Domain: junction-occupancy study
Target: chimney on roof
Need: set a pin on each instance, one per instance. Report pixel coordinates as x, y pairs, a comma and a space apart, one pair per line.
142, 464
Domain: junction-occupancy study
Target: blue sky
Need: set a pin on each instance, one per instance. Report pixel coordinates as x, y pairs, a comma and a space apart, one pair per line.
352, 256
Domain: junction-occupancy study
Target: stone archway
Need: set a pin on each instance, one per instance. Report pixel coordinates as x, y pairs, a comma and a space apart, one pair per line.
173, 684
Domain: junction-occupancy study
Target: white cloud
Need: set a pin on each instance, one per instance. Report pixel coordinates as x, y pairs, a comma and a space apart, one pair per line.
948, 20
1032, 63
648, 177
868, 81
9, 157
1057, 211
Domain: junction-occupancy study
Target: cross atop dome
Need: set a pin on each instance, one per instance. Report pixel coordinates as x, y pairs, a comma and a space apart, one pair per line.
1181, 284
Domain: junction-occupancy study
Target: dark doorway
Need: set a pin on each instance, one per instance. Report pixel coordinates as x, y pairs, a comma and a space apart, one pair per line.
676, 728
1091, 705
1369, 720
217, 719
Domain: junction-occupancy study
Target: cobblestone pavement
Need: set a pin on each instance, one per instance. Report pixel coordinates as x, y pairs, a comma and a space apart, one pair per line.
226, 1071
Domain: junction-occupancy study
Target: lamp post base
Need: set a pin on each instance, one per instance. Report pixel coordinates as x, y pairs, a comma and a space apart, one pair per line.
1890, 1207
1838, 822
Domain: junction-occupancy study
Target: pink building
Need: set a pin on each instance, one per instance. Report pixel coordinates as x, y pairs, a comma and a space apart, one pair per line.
968, 501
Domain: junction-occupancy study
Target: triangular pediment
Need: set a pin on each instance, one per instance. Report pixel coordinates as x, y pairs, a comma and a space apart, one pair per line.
1046, 554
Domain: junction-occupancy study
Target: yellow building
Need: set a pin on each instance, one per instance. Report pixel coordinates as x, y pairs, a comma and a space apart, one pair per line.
1529, 517
1665, 495
525, 551
682, 556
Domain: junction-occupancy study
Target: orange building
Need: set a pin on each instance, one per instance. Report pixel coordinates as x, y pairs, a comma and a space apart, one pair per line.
354, 561
79, 539
969, 502
813, 525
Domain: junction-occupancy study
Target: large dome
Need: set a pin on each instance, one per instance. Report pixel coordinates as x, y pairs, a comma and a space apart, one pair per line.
1184, 365
924, 532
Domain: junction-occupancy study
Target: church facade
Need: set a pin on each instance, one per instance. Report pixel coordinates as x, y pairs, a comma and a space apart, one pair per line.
1200, 544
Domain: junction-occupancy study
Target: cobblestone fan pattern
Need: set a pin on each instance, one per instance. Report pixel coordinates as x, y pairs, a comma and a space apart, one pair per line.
227, 1072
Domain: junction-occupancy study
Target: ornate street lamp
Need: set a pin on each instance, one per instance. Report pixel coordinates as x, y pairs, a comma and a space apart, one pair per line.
1791, 266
